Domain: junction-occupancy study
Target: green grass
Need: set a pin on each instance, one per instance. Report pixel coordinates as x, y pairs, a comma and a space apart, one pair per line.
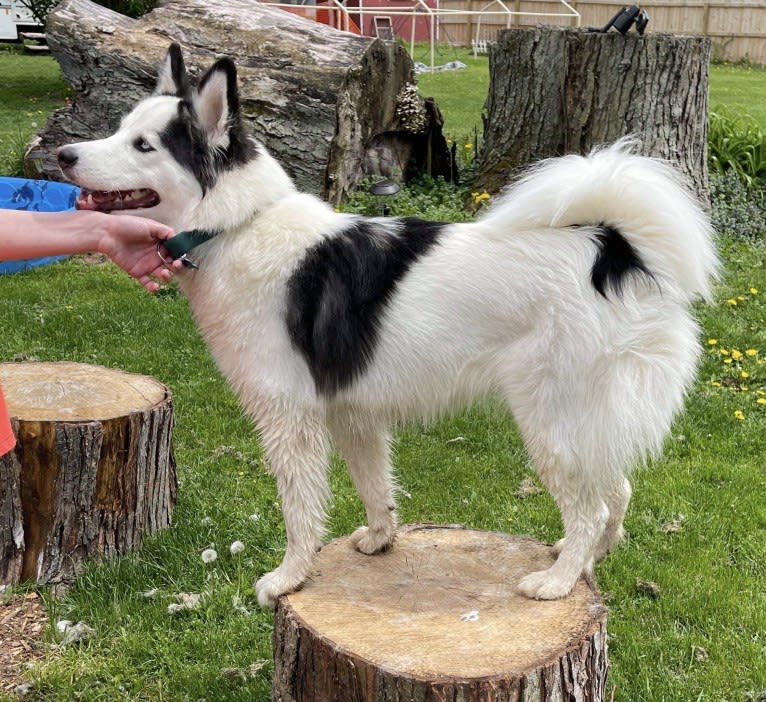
461, 94
702, 639
32, 87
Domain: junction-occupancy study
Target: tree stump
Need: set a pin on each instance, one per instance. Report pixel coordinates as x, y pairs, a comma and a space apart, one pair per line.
331, 106
555, 91
93, 470
437, 618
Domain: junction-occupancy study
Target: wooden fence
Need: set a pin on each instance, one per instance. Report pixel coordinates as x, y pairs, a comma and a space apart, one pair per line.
736, 27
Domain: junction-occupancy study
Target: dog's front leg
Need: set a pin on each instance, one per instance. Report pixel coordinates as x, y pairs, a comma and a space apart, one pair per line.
296, 447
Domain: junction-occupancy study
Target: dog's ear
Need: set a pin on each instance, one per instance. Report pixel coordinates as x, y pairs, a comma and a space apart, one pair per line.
172, 78
217, 101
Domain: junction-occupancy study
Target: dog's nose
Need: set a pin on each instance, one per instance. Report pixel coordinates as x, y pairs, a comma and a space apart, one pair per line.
67, 157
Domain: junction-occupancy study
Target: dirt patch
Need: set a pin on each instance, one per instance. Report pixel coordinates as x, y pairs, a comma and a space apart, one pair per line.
22, 622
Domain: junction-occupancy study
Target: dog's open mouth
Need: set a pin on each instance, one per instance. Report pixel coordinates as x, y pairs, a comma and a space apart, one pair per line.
113, 200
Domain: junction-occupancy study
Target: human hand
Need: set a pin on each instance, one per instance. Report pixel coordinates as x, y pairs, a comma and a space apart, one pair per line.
131, 242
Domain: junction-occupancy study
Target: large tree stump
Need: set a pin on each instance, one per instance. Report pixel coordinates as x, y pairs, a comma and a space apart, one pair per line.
437, 618
555, 91
93, 471
323, 101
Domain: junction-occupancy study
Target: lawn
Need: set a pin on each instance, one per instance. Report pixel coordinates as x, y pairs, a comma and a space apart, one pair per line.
461, 93
696, 526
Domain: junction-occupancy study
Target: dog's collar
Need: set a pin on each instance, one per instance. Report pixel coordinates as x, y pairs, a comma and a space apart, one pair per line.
183, 242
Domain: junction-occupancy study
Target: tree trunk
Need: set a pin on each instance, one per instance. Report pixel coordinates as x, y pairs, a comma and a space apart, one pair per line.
324, 102
437, 619
555, 91
93, 470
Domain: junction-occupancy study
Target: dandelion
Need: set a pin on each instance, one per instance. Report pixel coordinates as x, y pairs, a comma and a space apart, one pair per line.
731, 301
236, 547
736, 355
209, 555
712, 342
739, 414
715, 383
727, 360
723, 351
469, 146
753, 291
744, 374
751, 352
761, 401
762, 393
478, 198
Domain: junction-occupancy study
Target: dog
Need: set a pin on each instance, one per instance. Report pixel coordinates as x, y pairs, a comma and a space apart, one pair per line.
570, 299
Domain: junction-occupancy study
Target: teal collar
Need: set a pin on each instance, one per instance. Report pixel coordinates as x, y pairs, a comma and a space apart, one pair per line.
183, 242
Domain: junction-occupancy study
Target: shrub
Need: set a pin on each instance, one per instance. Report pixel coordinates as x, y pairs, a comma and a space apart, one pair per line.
423, 197
738, 145
737, 209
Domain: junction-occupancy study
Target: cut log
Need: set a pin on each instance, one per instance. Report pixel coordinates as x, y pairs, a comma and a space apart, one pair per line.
437, 618
93, 471
555, 91
331, 106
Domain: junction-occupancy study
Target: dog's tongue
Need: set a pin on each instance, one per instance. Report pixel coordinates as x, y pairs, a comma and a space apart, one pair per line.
109, 201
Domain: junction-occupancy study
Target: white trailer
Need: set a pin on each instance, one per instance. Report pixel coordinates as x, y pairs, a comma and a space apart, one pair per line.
14, 19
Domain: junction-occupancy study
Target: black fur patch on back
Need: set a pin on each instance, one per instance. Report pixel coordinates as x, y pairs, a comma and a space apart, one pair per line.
338, 293
616, 260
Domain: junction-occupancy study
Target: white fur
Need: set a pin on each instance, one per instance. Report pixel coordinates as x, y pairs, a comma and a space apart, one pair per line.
501, 306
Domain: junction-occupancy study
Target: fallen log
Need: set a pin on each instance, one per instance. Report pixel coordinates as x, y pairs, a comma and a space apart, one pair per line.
330, 105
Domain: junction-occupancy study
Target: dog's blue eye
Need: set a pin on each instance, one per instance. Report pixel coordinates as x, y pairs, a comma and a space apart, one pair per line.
143, 145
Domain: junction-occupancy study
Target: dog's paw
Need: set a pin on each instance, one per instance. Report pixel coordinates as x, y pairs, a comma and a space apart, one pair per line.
272, 585
372, 541
543, 585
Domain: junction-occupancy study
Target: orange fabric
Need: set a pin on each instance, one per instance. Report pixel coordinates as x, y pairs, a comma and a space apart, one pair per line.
7, 439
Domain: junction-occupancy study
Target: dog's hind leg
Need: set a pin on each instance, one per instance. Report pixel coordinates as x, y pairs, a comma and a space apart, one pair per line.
297, 448
617, 499
367, 454
585, 516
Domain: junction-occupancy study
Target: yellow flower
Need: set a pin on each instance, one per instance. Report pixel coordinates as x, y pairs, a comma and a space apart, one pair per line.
469, 146
715, 383
751, 352
739, 414
753, 291
712, 342
761, 401
740, 297
723, 351
736, 355
731, 301
727, 360
762, 393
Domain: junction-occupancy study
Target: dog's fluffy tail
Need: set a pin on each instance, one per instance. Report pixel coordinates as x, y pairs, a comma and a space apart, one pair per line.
643, 198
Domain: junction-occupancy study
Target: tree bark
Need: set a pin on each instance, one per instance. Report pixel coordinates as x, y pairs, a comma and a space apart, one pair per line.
437, 619
93, 470
555, 91
321, 100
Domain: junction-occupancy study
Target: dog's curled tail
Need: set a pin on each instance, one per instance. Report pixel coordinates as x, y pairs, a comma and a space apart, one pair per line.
644, 199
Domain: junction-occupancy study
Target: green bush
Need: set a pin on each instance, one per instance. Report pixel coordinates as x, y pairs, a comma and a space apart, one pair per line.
739, 145
738, 210
426, 198
131, 8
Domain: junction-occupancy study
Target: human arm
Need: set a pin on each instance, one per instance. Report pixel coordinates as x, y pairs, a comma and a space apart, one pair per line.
129, 241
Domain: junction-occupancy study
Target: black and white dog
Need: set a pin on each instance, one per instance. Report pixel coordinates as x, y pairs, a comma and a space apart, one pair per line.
569, 299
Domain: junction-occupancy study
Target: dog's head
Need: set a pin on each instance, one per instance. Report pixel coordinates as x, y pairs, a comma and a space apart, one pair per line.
169, 151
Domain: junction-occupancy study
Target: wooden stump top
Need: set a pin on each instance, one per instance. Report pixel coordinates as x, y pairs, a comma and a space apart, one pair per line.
443, 603
64, 391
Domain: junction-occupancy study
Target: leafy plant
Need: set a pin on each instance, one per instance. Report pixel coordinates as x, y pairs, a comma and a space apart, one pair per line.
39, 8
739, 145
737, 209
